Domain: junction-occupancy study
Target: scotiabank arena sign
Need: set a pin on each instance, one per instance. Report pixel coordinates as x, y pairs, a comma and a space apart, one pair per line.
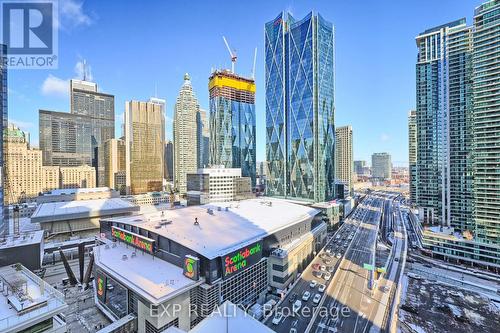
238, 261
141, 242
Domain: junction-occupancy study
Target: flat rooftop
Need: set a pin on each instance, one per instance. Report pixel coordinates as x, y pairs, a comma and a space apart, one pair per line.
153, 278
66, 210
23, 239
222, 231
26, 299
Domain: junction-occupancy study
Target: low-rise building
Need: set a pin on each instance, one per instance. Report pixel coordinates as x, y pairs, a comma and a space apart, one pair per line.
197, 258
77, 211
217, 184
151, 198
29, 304
25, 248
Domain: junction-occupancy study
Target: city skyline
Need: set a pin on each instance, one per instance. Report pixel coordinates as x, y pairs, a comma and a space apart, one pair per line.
357, 68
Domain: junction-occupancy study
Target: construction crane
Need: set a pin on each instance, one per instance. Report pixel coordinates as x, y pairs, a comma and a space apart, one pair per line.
232, 54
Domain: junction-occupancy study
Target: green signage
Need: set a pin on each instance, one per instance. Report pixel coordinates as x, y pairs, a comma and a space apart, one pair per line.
240, 260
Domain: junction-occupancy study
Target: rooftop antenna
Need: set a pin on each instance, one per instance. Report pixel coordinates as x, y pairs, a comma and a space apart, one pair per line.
254, 60
84, 70
231, 53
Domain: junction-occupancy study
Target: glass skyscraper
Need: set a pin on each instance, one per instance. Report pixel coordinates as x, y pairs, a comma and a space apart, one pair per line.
486, 122
100, 107
232, 122
3, 126
300, 133
412, 153
443, 116
65, 138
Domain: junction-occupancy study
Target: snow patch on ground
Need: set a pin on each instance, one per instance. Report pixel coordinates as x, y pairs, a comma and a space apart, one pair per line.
474, 317
455, 309
417, 328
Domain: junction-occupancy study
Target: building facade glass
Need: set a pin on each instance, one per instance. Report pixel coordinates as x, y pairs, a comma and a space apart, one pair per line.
444, 128
3, 126
300, 134
412, 153
65, 138
100, 107
232, 122
486, 122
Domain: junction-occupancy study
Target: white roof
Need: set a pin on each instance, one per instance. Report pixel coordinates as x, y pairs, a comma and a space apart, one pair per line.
22, 239
222, 232
230, 318
56, 211
153, 278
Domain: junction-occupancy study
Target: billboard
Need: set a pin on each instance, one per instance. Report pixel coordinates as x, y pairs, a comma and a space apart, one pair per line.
101, 284
191, 267
133, 239
241, 259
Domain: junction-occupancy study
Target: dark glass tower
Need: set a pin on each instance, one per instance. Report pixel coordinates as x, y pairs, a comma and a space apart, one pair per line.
232, 122
300, 133
100, 107
3, 125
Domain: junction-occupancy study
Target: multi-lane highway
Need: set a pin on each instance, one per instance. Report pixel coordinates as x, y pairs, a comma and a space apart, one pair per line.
355, 297
353, 285
321, 270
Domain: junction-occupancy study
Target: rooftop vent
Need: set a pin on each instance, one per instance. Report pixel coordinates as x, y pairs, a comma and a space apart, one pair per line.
124, 257
219, 208
196, 221
210, 211
134, 254
227, 209
106, 246
114, 245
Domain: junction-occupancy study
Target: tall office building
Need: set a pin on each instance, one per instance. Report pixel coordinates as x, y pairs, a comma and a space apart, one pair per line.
412, 153
203, 139
144, 146
443, 120
232, 122
65, 138
344, 162
100, 107
185, 135
169, 161
486, 122
25, 175
3, 125
300, 134
361, 168
381, 166
114, 157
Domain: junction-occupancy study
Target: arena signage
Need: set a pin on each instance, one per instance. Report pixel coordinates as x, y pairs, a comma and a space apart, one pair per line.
133, 239
191, 267
240, 260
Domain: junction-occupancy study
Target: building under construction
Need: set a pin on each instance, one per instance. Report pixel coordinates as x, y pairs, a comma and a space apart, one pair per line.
232, 122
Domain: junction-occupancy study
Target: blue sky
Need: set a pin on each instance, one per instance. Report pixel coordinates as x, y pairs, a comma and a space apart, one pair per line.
133, 46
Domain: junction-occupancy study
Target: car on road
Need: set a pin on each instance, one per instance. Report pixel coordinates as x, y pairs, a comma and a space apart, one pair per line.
327, 276
277, 318
316, 298
293, 330
313, 283
329, 269
317, 274
321, 288
297, 305
293, 297
315, 266
306, 296
338, 255
396, 259
322, 268
327, 261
